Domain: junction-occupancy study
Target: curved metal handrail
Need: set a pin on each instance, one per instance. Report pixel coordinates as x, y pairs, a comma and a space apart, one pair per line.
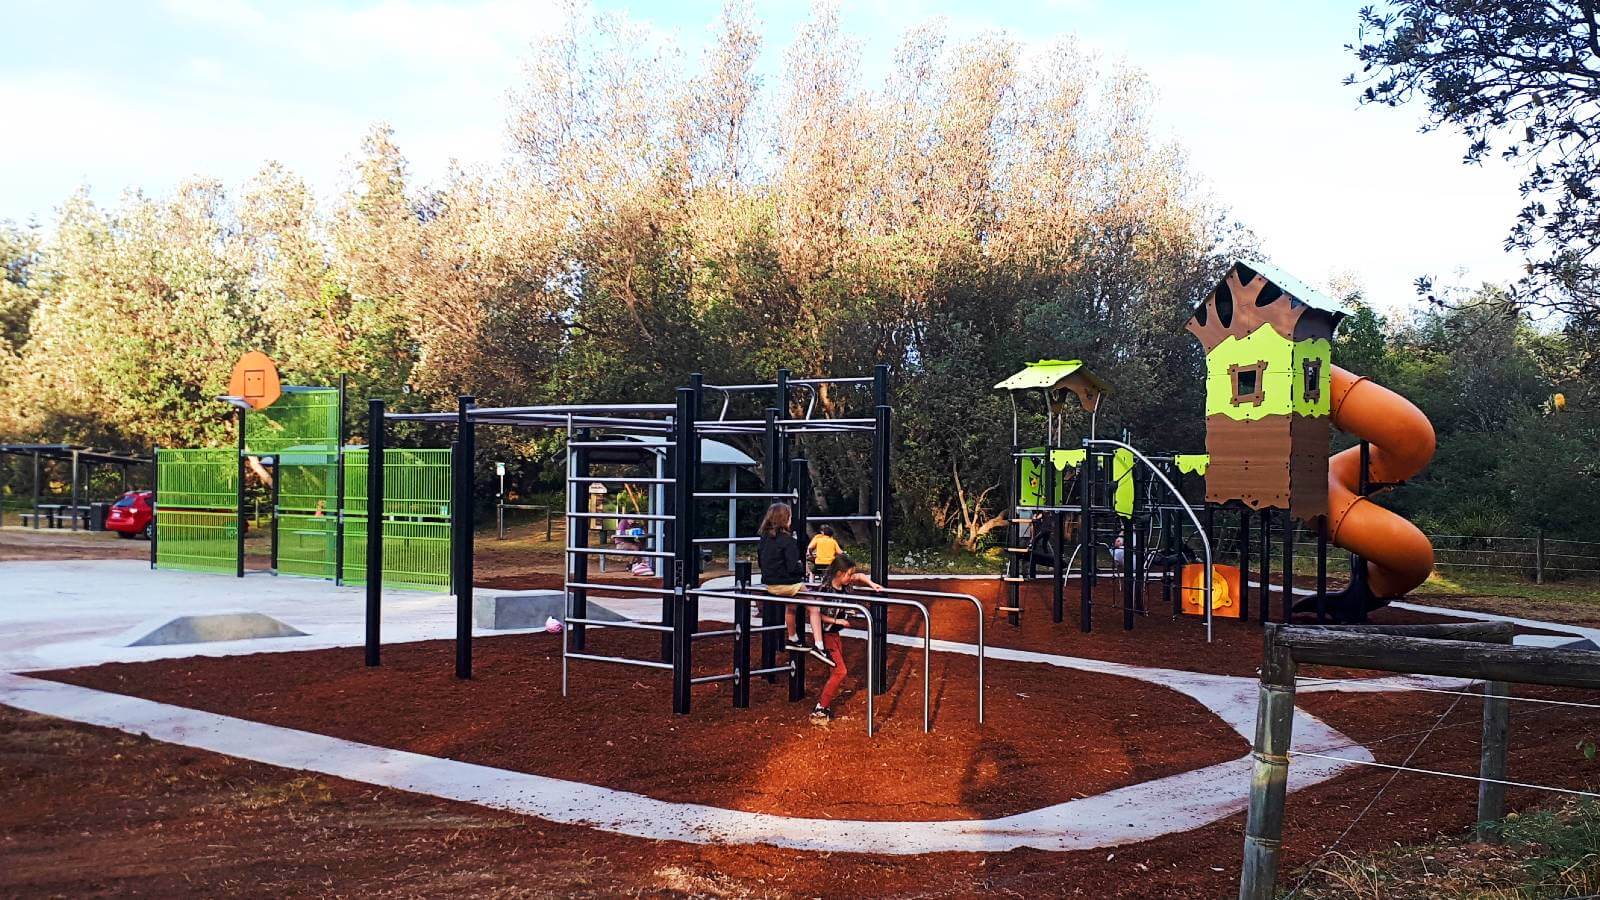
927, 638
1199, 529
792, 601
977, 606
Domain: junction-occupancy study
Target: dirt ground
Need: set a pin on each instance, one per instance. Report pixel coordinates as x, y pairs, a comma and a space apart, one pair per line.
92, 812
18, 543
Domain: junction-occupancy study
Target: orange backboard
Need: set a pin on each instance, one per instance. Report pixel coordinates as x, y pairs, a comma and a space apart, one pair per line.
255, 378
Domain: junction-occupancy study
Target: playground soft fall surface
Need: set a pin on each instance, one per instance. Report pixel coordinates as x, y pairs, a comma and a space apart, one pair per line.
88, 810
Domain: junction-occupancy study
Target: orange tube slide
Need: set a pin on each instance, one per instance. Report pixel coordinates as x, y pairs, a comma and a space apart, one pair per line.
1399, 556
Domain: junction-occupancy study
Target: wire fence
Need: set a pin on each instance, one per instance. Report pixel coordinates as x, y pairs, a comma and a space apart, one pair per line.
1533, 556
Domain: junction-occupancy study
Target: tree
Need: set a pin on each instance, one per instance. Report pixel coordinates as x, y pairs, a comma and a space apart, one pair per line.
1522, 79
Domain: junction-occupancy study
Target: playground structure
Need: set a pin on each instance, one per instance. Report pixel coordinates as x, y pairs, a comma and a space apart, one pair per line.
1272, 397
675, 439
293, 439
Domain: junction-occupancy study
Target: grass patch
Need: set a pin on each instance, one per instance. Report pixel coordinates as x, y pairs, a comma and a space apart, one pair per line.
1544, 854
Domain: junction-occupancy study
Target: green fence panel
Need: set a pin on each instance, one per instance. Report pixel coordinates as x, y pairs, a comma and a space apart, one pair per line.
304, 417
197, 521
307, 499
198, 479
416, 509
306, 544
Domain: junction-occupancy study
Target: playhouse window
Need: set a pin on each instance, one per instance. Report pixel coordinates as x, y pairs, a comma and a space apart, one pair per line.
1247, 387
1312, 369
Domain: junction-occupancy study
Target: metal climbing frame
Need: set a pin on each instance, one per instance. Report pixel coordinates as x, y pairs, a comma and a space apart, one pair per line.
678, 425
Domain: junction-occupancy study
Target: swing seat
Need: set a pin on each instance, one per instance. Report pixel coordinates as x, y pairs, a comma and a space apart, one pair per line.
1224, 590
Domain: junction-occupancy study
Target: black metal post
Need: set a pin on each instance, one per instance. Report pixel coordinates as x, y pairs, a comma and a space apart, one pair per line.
1356, 598
1244, 564
74, 490
1288, 567
1266, 565
1127, 574
800, 482
37, 474
155, 497
741, 636
461, 541
1086, 477
339, 489
883, 506
1058, 540
1322, 568
771, 612
1014, 536
277, 494
239, 520
684, 550
375, 436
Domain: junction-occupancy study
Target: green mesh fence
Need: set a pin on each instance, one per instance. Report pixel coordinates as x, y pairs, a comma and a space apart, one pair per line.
301, 431
416, 510
197, 518
304, 418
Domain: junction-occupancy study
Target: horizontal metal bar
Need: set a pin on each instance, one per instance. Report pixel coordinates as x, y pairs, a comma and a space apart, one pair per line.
620, 660
631, 588
740, 387
761, 495
721, 632
605, 551
642, 479
707, 679
873, 518
619, 623
856, 421
771, 670
727, 540
856, 379
646, 517
763, 629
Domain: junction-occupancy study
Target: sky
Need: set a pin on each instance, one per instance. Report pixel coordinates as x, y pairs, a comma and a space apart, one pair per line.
145, 93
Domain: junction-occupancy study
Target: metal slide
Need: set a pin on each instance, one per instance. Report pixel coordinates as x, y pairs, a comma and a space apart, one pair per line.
1398, 555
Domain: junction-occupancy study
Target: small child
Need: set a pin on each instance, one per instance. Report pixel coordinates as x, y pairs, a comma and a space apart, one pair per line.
821, 551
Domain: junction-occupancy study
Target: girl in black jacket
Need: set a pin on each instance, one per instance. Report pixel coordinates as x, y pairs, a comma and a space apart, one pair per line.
783, 574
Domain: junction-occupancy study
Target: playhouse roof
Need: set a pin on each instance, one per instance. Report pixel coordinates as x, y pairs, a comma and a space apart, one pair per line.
1295, 288
1049, 373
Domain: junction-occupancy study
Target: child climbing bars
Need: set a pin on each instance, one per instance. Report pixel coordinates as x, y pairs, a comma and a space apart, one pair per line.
842, 577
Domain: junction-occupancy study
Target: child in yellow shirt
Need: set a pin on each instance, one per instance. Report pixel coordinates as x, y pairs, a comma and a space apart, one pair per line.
822, 549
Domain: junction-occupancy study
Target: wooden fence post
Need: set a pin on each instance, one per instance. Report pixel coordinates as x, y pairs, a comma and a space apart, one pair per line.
1263, 834
1492, 761
1538, 558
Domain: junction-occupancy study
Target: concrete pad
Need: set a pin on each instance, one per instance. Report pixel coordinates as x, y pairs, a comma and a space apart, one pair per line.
222, 626
528, 609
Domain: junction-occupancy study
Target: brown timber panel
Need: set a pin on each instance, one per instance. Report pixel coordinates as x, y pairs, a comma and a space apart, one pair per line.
1249, 461
1308, 466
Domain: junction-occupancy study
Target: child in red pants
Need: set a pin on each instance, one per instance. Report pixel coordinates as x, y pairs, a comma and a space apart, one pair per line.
841, 577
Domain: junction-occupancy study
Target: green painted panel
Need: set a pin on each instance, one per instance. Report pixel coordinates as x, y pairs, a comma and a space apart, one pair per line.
198, 479
1122, 477
415, 554
1282, 379
197, 540
1192, 463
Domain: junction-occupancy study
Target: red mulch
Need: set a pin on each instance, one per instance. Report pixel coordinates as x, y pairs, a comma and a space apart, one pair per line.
1071, 732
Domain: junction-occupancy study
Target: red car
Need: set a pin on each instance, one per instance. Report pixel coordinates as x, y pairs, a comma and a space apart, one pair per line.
133, 515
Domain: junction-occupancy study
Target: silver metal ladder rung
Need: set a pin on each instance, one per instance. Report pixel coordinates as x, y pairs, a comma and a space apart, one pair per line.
620, 660
618, 479
619, 623
606, 551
